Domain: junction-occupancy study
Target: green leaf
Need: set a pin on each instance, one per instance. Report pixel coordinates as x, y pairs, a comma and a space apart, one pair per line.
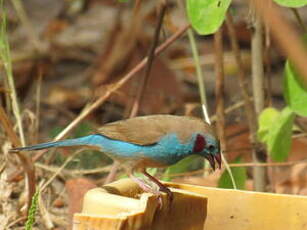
239, 175
206, 16
32, 211
267, 117
295, 95
280, 140
291, 3
182, 166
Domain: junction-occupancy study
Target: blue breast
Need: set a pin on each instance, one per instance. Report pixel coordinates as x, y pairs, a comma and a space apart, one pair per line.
167, 151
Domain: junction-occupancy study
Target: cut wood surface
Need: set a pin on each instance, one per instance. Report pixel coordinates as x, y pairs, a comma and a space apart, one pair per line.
243, 210
122, 206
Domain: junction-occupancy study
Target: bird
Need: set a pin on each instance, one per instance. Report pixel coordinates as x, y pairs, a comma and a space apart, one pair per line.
151, 141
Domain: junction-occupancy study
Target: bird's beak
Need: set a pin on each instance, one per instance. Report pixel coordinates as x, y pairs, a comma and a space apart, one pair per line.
218, 158
212, 158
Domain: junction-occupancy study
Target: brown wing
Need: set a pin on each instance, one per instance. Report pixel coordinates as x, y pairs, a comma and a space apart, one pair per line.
148, 130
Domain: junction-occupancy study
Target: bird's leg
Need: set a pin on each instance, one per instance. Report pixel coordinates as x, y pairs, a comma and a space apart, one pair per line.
146, 187
161, 186
142, 184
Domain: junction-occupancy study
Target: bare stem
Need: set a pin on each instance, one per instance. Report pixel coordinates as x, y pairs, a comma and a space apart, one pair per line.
199, 74
138, 100
219, 94
151, 55
258, 92
257, 65
299, 19
249, 108
26, 162
285, 35
219, 88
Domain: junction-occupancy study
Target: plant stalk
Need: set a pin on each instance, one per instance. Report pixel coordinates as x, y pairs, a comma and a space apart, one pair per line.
258, 93
199, 74
249, 107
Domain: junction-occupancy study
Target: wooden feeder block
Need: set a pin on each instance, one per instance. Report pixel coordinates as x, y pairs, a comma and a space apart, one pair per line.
122, 206
245, 210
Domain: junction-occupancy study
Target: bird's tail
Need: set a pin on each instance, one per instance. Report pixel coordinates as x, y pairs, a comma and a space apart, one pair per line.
65, 143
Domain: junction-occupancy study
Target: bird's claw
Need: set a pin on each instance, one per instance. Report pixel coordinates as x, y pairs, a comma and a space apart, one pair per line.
169, 194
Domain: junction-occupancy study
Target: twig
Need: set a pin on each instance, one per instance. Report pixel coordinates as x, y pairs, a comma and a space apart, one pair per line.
44, 186
251, 164
219, 88
200, 80
73, 172
268, 71
231, 108
8, 127
207, 60
299, 19
6, 59
112, 173
287, 38
141, 89
16, 221
8, 105
275, 164
219, 95
151, 56
120, 83
250, 113
300, 135
38, 100
45, 215
258, 93
26, 162
249, 109
257, 65
199, 74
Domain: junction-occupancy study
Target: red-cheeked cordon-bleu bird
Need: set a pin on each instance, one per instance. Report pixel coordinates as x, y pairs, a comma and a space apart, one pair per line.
148, 142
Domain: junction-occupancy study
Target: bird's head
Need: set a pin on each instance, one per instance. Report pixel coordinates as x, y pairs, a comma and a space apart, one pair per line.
208, 146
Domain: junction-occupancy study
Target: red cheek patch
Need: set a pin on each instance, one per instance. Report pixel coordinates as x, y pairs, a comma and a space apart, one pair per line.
200, 144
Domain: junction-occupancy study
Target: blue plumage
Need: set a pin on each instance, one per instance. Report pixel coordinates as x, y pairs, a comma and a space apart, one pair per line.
168, 150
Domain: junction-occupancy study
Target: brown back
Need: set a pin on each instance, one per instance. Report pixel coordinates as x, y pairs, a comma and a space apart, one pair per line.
146, 130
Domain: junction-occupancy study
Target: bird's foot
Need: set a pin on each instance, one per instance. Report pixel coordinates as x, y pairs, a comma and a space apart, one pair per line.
147, 188
162, 187
169, 193
143, 185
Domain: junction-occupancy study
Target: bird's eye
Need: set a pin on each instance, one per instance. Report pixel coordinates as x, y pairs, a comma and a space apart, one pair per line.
211, 148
